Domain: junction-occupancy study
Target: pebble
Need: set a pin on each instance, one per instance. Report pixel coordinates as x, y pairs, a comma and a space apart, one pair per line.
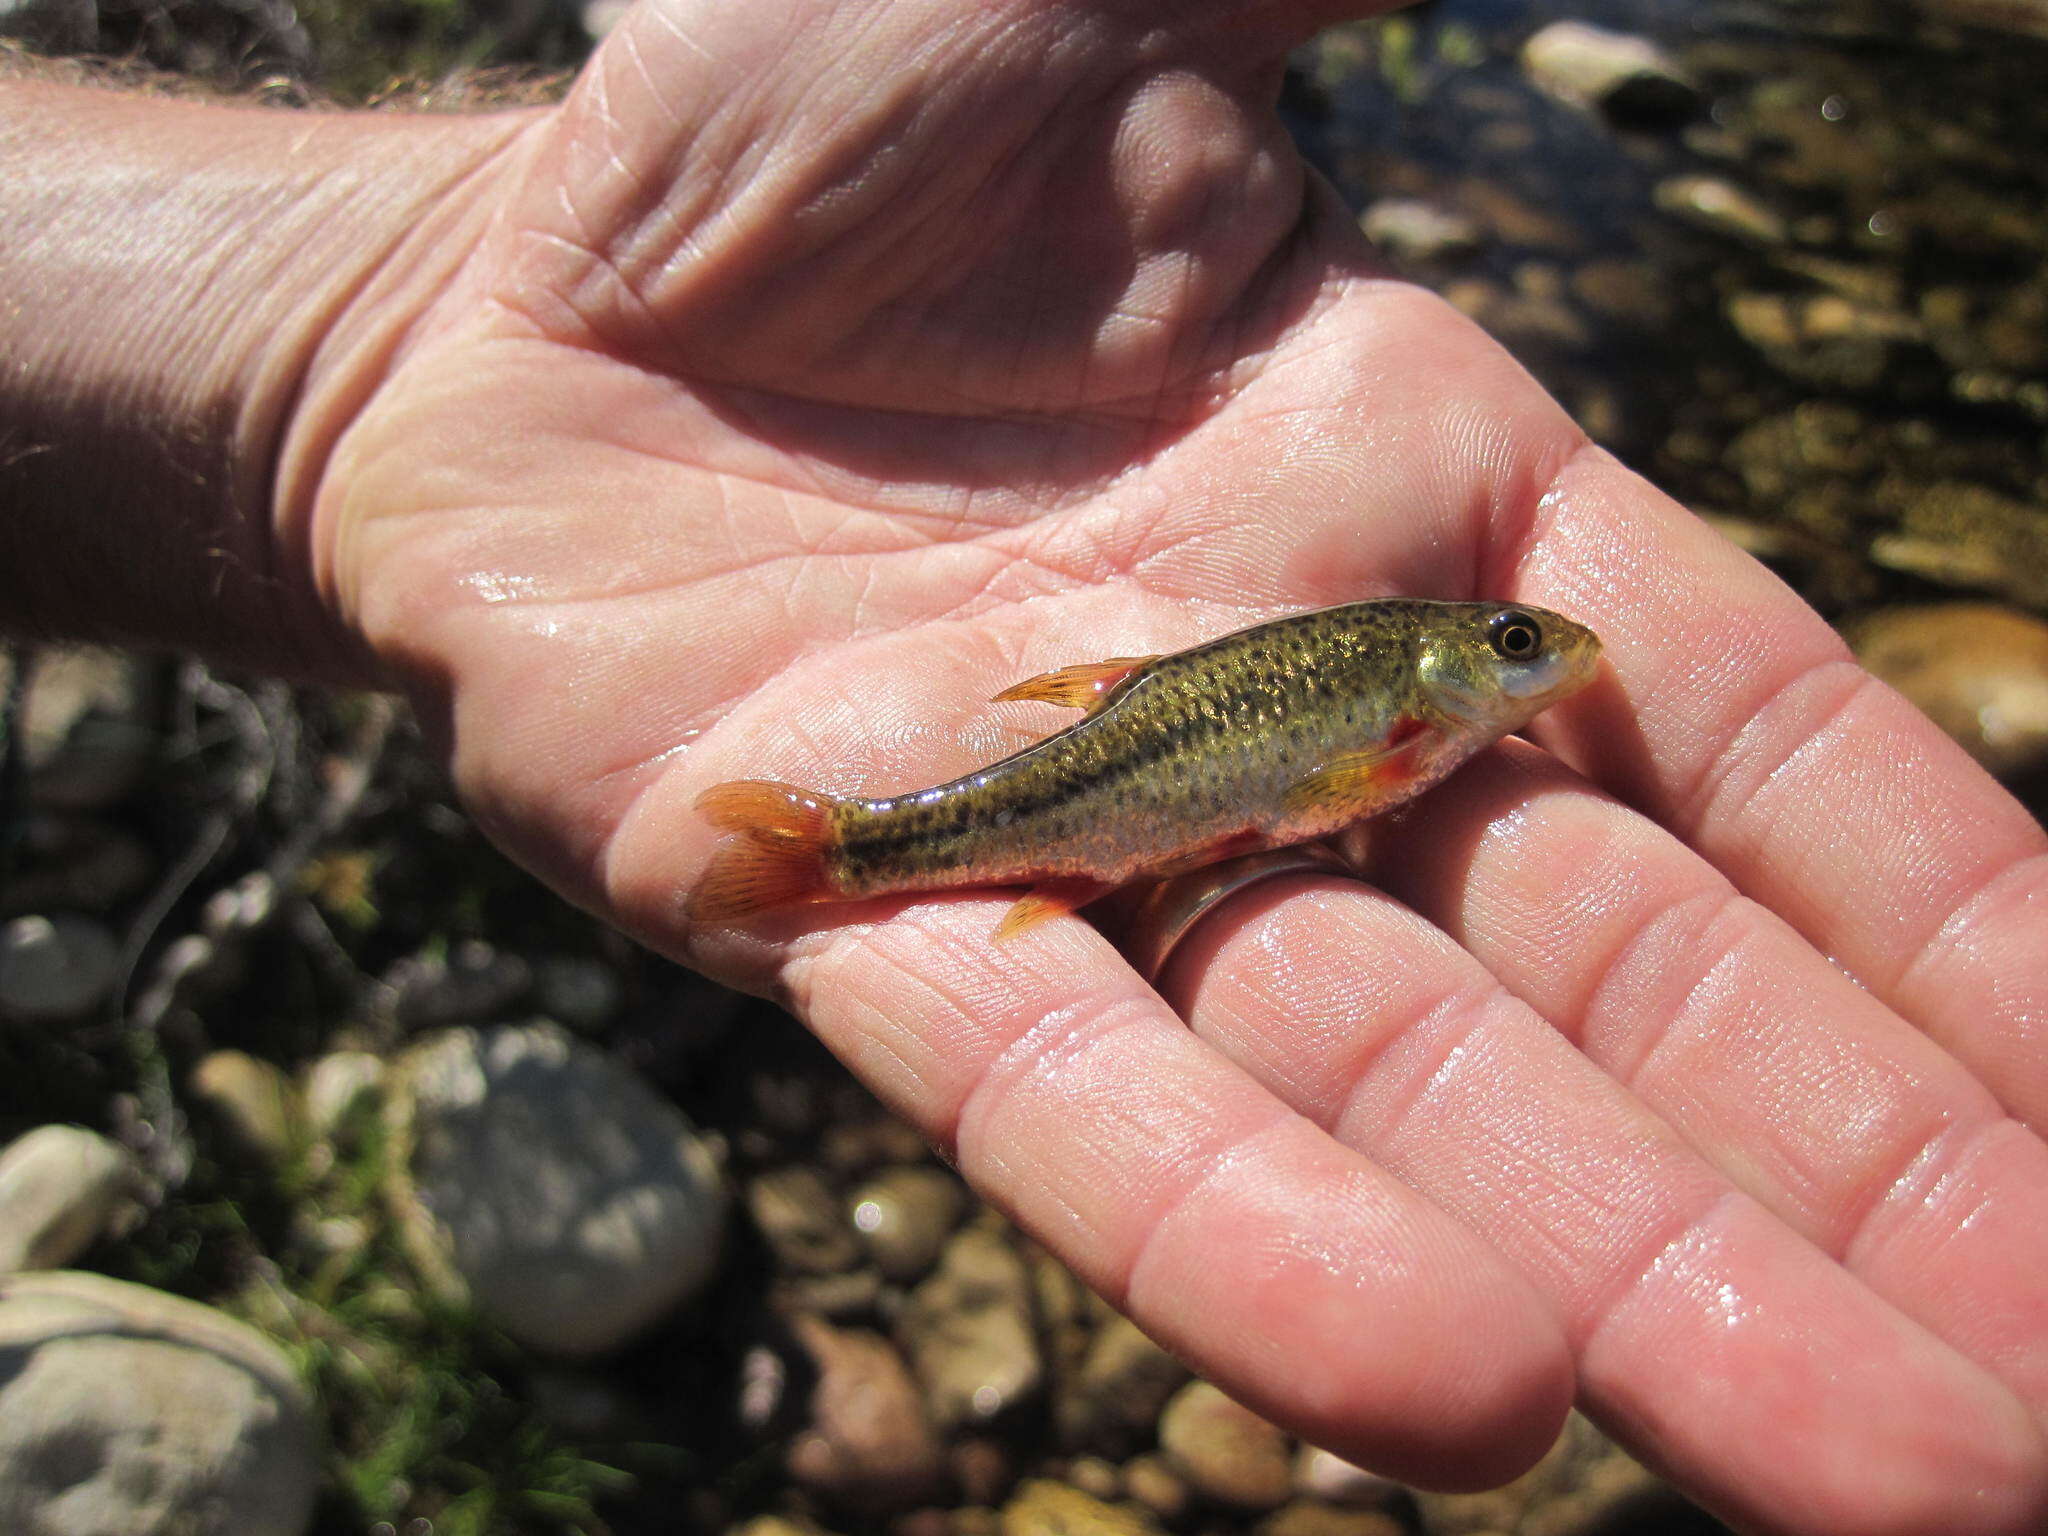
1042, 1507
904, 1216
867, 1443
1310, 1517
1628, 78
1324, 1475
1722, 207
969, 1331
802, 1220
1112, 1401
1978, 670
56, 969
542, 1180
1584, 1484
1224, 1450
1411, 230
335, 1084
124, 1409
1153, 1483
62, 1188
88, 730
254, 1100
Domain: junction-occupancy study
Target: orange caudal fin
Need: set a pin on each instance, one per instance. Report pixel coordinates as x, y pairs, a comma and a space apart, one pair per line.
1042, 903
778, 857
1082, 686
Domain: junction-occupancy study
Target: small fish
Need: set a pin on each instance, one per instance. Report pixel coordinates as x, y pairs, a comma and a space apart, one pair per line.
1273, 735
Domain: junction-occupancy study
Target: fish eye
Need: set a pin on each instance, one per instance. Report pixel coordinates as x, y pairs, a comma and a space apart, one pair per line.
1515, 635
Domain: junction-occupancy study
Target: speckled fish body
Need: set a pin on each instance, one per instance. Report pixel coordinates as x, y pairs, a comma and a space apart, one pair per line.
1276, 734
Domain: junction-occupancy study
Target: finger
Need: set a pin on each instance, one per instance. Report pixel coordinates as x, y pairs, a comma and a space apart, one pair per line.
1740, 723
1294, 1273
1853, 1128
1723, 1347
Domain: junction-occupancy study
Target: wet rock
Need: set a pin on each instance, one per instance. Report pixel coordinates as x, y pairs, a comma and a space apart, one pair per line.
55, 969
1630, 79
1411, 230
1095, 1477
1152, 1483
1042, 1507
254, 1101
1224, 1450
86, 725
124, 1409
61, 1188
802, 1220
1979, 671
1584, 1484
335, 1085
1308, 1517
1119, 1391
1822, 339
1722, 207
969, 1331
1321, 1474
867, 1443
474, 983
904, 1215
544, 1181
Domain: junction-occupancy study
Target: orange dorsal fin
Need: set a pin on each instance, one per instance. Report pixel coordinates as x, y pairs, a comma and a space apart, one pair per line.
1046, 901
1356, 784
777, 858
1085, 685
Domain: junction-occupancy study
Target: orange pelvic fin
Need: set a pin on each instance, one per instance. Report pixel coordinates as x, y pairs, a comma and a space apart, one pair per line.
1359, 783
1085, 685
778, 857
1042, 903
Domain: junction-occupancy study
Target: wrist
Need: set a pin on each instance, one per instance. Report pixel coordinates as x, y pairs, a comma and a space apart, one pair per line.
210, 293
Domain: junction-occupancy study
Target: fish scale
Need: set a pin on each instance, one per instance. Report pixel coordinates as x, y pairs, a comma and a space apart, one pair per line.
1275, 734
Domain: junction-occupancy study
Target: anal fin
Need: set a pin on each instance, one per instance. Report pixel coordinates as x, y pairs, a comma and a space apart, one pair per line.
1085, 685
1047, 900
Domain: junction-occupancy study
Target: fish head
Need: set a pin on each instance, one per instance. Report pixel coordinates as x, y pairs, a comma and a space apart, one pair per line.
1498, 665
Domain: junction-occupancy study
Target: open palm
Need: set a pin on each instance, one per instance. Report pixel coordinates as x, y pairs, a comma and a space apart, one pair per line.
819, 369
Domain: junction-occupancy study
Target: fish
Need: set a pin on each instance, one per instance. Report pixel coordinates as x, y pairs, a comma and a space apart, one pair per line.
1270, 736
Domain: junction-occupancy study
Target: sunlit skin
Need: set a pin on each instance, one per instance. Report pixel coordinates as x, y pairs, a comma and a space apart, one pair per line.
819, 370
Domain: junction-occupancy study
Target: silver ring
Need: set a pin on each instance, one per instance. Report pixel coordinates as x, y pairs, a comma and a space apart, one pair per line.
1168, 912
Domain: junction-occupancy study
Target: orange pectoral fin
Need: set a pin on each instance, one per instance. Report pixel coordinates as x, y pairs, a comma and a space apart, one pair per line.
1356, 784
1082, 686
1044, 902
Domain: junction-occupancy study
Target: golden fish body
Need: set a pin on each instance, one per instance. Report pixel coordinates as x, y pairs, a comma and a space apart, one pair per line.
1272, 735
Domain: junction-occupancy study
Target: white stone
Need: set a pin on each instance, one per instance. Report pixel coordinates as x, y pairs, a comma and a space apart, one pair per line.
335, 1084
1590, 67
61, 1188
126, 1410
545, 1182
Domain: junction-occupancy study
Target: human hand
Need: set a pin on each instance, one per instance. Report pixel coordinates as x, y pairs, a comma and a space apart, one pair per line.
821, 369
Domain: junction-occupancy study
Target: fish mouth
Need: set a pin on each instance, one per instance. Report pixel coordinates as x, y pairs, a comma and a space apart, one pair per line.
1582, 650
